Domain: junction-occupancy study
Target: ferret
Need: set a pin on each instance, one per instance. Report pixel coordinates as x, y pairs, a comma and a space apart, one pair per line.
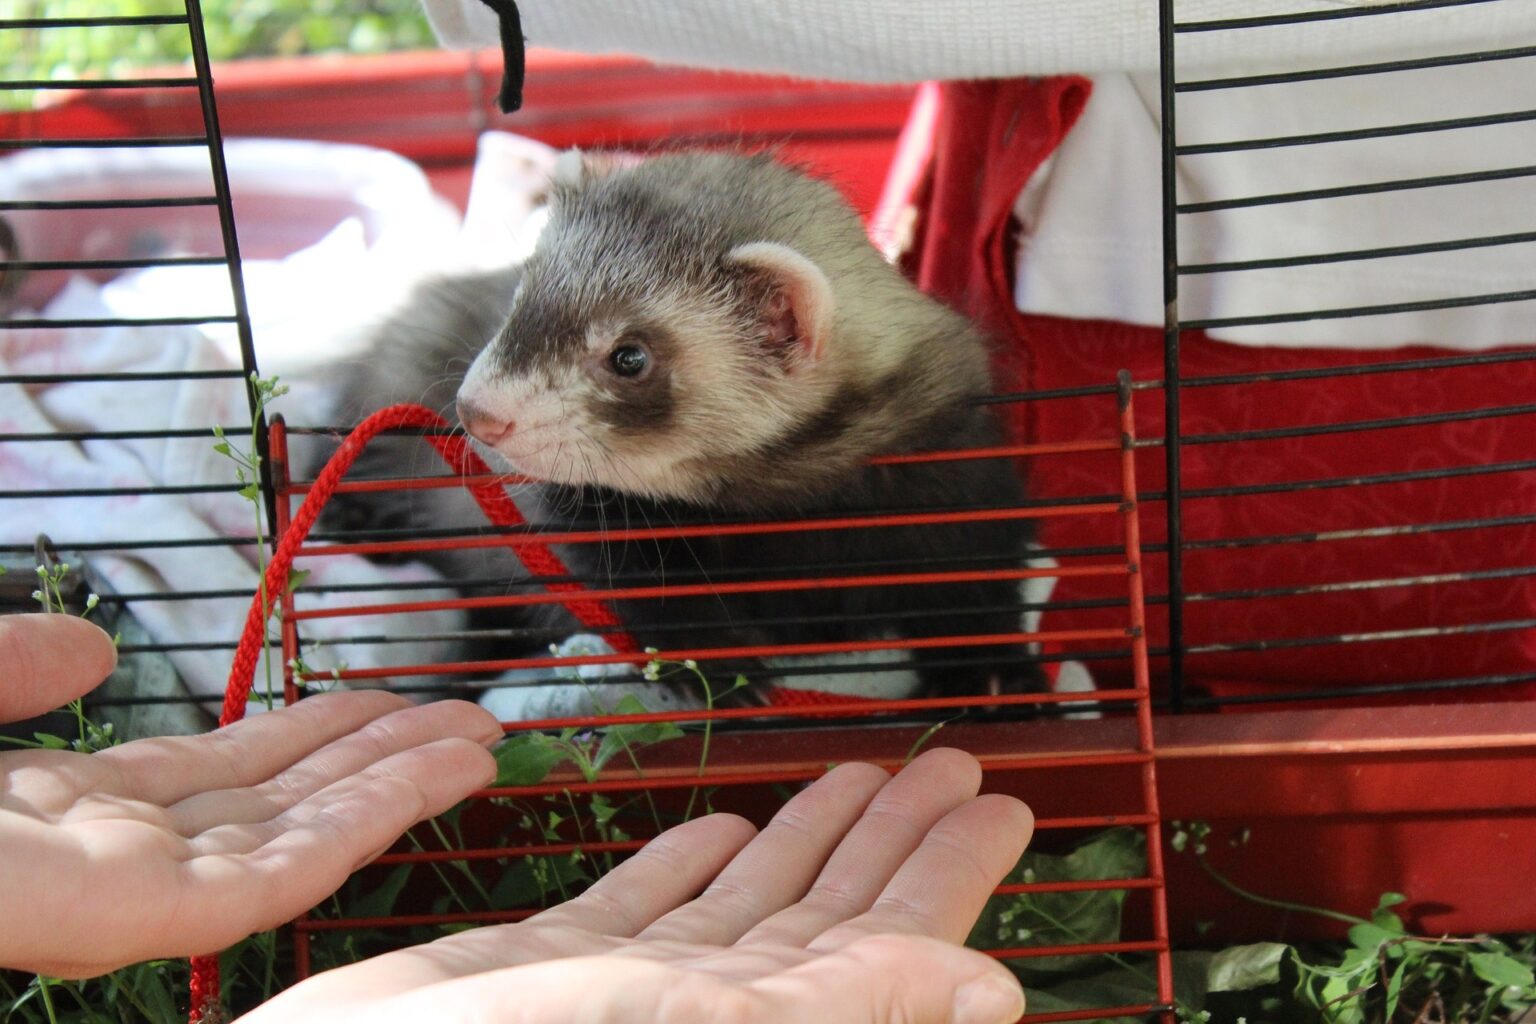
712, 338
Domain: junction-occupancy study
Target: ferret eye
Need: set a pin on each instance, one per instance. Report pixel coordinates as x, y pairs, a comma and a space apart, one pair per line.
629, 360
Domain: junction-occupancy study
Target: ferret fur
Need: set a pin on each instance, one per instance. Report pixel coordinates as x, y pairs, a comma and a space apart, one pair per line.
737, 418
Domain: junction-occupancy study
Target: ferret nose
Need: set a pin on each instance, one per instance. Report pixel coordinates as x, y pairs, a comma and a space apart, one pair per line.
482, 425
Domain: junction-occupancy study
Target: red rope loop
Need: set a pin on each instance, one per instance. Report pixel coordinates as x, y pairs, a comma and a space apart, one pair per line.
498, 508
493, 501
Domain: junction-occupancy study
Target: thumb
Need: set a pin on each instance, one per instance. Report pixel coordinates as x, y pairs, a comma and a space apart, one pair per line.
884, 979
49, 660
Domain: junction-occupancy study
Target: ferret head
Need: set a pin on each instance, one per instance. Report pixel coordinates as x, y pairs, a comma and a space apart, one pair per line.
678, 322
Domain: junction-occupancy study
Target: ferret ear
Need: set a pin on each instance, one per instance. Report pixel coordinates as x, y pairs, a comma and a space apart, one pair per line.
574, 167
795, 303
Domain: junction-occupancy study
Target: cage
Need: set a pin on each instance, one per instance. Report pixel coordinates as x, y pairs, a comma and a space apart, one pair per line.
1333, 587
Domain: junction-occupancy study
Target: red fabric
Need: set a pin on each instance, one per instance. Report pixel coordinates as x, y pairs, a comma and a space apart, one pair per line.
991, 136
786, 697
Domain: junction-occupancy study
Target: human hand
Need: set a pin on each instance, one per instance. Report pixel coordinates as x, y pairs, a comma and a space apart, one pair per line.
184, 845
846, 908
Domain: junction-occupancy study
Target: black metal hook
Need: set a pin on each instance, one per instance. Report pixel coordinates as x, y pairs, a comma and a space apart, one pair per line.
513, 55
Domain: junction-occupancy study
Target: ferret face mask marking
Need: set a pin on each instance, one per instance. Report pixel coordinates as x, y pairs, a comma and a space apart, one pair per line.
648, 345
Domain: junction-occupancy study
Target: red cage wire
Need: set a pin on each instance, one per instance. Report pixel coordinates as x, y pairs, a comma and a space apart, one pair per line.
744, 765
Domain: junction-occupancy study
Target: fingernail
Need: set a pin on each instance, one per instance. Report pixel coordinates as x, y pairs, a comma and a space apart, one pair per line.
988, 1001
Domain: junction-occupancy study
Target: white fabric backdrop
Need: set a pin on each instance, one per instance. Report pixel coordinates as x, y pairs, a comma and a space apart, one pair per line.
913, 40
1092, 240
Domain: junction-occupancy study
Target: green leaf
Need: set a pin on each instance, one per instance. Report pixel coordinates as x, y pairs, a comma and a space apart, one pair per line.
1343, 998
536, 881
1388, 921
618, 737
1372, 937
603, 809
1191, 977
222, 447
1062, 918
297, 578
525, 759
381, 902
48, 741
1118, 987
1239, 968
251, 491
1395, 989
1384, 918
1503, 971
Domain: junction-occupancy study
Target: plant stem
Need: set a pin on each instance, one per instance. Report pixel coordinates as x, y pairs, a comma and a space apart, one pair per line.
1265, 901
709, 731
261, 577
442, 876
42, 989
461, 865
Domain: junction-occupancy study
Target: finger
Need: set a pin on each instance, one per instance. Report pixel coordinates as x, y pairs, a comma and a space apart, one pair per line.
317, 844
777, 867
381, 738
443, 771
891, 828
47, 661
942, 887
882, 980
668, 871
168, 769
894, 979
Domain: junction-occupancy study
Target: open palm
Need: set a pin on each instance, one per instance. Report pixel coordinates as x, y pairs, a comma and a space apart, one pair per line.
175, 846
846, 907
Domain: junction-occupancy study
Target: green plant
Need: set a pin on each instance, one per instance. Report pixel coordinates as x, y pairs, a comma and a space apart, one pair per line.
247, 462
1384, 973
234, 29
88, 735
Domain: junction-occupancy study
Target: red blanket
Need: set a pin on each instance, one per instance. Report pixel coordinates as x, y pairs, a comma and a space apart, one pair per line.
990, 137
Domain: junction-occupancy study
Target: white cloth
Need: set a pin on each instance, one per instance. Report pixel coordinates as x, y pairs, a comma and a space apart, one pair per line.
1091, 245
913, 40
303, 309
165, 462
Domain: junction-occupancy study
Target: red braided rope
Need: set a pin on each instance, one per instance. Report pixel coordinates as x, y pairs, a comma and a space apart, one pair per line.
498, 508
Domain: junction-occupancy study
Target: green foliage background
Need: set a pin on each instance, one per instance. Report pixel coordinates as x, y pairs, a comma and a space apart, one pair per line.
235, 28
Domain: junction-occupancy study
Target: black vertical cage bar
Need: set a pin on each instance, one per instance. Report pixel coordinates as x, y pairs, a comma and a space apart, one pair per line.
1172, 448
215, 141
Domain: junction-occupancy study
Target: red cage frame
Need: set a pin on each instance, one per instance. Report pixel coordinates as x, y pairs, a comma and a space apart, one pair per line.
1127, 746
